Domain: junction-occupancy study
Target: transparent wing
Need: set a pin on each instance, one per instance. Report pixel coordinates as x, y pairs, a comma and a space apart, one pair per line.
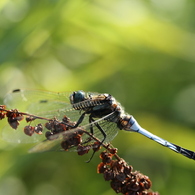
40, 103
18, 136
109, 128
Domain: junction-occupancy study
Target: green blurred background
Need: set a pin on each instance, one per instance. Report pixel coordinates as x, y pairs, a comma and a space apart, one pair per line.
140, 51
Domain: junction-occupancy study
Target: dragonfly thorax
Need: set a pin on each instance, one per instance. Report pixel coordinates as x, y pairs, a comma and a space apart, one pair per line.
124, 122
97, 105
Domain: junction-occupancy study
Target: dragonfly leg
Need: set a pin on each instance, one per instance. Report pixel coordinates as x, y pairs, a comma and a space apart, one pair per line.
80, 120
91, 120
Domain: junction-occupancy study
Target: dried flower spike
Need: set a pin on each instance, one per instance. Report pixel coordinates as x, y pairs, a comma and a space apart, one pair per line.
121, 176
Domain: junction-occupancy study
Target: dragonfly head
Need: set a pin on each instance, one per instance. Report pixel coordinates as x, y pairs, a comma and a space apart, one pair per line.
77, 96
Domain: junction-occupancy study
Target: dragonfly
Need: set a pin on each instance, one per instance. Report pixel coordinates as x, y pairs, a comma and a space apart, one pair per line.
100, 114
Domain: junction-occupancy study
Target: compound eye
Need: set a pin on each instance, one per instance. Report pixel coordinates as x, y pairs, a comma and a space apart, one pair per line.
72, 98
77, 96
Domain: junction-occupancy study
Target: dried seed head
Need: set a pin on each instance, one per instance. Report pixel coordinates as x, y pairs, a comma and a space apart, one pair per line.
116, 185
39, 129
101, 168
29, 130
120, 176
49, 135
113, 150
30, 118
109, 175
96, 146
2, 115
13, 118
106, 157
49, 125
65, 145
83, 149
